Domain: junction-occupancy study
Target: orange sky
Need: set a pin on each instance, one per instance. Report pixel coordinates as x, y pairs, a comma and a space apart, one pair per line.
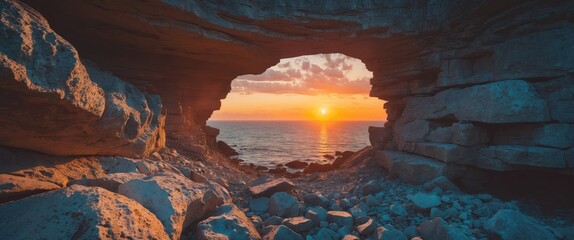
300, 88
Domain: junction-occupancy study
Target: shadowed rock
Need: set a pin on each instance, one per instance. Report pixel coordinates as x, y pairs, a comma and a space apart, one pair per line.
228, 222
270, 187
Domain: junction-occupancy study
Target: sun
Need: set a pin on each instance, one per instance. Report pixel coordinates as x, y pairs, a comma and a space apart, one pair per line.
323, 111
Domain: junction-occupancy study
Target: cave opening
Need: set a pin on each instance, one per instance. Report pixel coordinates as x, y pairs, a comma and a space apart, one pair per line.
303, 109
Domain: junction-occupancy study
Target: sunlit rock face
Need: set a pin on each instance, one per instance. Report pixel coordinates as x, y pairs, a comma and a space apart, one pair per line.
51, 102
443, 66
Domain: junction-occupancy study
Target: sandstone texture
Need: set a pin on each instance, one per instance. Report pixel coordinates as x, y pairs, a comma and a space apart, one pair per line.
59, 106
228, 222
78, 212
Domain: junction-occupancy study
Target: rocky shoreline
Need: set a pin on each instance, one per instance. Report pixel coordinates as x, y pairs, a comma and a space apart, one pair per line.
176, 196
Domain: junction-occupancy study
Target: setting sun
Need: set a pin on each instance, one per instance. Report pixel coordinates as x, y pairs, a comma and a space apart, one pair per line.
323, 111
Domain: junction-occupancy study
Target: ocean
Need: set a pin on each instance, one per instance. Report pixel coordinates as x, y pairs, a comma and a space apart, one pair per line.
268, 143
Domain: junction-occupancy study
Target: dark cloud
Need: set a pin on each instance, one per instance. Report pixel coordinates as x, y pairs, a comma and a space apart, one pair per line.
303, 76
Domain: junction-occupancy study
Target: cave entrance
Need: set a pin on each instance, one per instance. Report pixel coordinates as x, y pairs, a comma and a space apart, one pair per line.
304, 108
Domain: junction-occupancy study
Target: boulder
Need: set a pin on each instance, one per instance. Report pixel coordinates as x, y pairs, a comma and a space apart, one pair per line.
273, 220
446, 152
119, 164
111, 182
270, 187
356, 159
316, 199
226, 149
282, 233
78, 212
316, 214
298, 224
424, 201
379, 136
49, 92
438, 229
340, 218
283, 204
174, 199
260, 204
227, 222
17, 187
388, 232
509, 224
297, 164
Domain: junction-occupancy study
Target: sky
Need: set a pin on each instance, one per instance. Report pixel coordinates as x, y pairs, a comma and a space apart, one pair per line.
323, 87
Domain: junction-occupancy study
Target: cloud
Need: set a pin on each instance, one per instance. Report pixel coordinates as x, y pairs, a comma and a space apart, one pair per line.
308, 75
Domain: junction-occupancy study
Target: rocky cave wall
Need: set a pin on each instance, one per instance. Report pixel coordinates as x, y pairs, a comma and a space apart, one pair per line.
485, 83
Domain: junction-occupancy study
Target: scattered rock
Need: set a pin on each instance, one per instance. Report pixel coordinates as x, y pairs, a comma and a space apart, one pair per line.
298, 224
278, 170
78, 212
283, 204
261, 168
297, 164
317, 167
317, 214
316, 199
442, 183
260, 204
372, 187
228, 222
349, 237
282, 233
438, 229
273, 220
509, 224
327, 234
388, 232
367, 227
398, 210
270, 187
424, 201
340, 218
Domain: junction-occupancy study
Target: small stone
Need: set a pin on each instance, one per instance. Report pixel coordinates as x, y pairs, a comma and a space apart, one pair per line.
411, 232
316, 214
441, 182
323, 224
281, 233
340, 218
349, 237
511, 224
371, 187
398, 210
335, 207
367, 227
333, 226
269, 187
357, 212
424, 202
298, 224
273, 220
342, 231
371, 201
316, 199
327, 234
345, 203
438, 229
388, 232
283, 204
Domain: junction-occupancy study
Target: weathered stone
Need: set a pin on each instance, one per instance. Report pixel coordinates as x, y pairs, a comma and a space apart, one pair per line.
316, 214
226, 149
298, 224
509, 224
119, 165
411, 168
260, 204
297, 164
228, 222
508, 101
327, 234
448, 153
561, 104
547, 135
283, 204
438, 229
388, 232
273, 220
340, 218
78, 212
411, 131
459, 133
111, 182
522, 156
367, 227
358, 158
16, 187
372, 187
379, 136
316, 199
282, 233
174, 199
49, 92
349, 237
424, 202
268, 188
398, 210
318, 167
